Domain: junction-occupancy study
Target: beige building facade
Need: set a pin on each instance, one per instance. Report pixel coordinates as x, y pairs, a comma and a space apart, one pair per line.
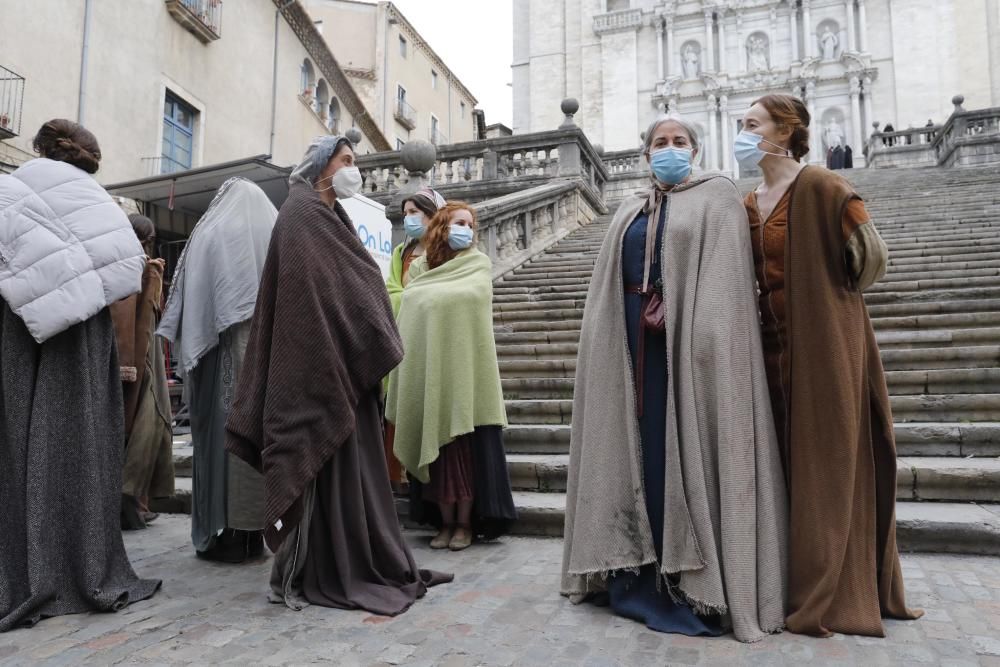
190, 83
855, 63
410, 90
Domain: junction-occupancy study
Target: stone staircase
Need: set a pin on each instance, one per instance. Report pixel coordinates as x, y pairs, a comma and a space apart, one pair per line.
937, 318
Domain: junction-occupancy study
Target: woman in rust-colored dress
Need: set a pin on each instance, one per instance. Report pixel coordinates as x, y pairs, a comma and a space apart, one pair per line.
815, 251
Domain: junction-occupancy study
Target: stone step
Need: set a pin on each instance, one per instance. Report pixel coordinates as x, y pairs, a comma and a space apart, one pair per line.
933, 307
930, 284
943, 247
510, 281
539, 411
978, 356
913, 338
537, 388
943, 381
904, 238
921, 257
539, 351
932, 265
537, 337
944, 321
556, 304
945, 407
578, 294
537, 439
907, 276
538, 315
920, 526
571, 324
947, 439
537, 368
932, 295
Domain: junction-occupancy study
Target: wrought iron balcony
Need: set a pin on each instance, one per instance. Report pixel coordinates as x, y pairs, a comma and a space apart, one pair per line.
202, 18
11, 101
405, 115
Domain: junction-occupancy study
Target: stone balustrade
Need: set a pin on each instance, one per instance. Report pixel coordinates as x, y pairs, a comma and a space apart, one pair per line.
966, 138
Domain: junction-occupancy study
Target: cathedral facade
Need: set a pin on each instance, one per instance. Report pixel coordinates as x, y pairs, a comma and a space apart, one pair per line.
854, 62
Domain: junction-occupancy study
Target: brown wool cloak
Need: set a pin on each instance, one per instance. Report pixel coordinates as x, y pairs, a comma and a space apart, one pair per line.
322, 336
844, 569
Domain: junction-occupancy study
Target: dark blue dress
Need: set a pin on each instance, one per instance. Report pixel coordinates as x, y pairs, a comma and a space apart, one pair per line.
637, 596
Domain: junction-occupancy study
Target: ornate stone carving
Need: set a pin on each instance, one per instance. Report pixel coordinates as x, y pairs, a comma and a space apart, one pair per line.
691, 59
758, 52
829, 42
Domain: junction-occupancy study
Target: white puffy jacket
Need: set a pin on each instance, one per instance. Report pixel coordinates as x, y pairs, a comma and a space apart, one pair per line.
66, 249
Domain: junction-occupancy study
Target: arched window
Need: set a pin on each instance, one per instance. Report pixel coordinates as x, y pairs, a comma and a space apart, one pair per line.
333, 120
307, 79
322, 99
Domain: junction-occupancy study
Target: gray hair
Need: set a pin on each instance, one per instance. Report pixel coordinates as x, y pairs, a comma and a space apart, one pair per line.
320, 150
647, 136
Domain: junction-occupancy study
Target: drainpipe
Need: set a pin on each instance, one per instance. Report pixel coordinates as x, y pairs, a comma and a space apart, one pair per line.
274, 76
84, 57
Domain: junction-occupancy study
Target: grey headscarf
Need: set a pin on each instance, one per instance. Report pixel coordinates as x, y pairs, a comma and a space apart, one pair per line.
320, 150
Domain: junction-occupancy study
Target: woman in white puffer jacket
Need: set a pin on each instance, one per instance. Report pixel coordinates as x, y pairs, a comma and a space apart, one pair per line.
67, 252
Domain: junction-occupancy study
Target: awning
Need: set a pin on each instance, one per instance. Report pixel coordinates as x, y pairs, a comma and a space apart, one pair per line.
193, 189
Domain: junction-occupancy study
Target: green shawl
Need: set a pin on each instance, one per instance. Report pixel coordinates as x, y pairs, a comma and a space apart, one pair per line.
449, 381
394, 282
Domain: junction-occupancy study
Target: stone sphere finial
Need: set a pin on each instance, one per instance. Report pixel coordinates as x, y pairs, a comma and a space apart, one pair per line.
569, 107
957, 101
354, 135
418, 156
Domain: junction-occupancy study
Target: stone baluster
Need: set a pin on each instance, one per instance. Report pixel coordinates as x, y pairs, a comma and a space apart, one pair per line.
807, 30
856, 137
852, 44
793, 28
862, 27
727, 143
713, 143
709, 51
723, 54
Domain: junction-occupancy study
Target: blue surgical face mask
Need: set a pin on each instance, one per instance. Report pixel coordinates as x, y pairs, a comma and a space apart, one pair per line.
413, 225
748, 151
460, 237
671, 165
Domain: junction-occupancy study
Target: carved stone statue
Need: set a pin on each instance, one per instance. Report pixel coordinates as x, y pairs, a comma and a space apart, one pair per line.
690, 61
829, 43
757, 54
833, 134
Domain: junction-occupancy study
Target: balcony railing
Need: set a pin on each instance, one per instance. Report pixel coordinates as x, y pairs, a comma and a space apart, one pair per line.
438, 138
11, 101
405, 115
202, 18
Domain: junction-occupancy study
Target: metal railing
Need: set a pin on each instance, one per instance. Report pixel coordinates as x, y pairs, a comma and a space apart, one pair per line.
406, 114
11, 102
208, 12
154, 166
203, 18
438, 138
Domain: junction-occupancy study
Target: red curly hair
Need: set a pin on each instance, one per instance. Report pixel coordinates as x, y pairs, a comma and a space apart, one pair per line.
436, 238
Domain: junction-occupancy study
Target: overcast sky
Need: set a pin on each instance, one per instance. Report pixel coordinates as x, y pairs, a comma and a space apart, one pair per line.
475, 40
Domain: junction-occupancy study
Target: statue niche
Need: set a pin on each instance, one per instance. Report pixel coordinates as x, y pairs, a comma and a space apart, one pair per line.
758, 52
691, 59
828, 36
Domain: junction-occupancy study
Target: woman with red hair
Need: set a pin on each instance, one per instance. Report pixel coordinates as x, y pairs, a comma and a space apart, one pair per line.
815, 251
445, 398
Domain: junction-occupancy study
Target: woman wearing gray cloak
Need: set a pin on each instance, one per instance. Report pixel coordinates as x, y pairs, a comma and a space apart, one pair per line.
676, 512
208, 320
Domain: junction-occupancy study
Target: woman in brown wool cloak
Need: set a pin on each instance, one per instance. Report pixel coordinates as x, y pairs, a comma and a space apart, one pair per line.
306, 411
815, 250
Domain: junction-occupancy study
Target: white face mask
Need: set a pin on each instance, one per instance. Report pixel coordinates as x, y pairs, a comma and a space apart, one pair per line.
345, 183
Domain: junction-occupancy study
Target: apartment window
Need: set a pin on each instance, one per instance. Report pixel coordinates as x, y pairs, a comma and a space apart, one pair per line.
461, 106
402, 46
178, 134
307, 79
434, 80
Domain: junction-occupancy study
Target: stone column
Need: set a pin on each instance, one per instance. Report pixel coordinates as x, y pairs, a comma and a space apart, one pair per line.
727, 142
814, 134
793, 27
862, 27
709, 50
773, 37
712, 161
868, 99
723, 59
673, 60
807, 31
852, 43
741, 46
856, 137
659, 49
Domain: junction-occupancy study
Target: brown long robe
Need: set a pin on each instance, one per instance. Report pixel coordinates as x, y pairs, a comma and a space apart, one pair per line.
148, 467
844, 571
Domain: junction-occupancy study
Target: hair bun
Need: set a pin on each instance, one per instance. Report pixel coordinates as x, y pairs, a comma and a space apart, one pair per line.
69, 142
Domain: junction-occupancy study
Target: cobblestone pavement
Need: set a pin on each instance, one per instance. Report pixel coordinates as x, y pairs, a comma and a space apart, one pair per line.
502, 609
